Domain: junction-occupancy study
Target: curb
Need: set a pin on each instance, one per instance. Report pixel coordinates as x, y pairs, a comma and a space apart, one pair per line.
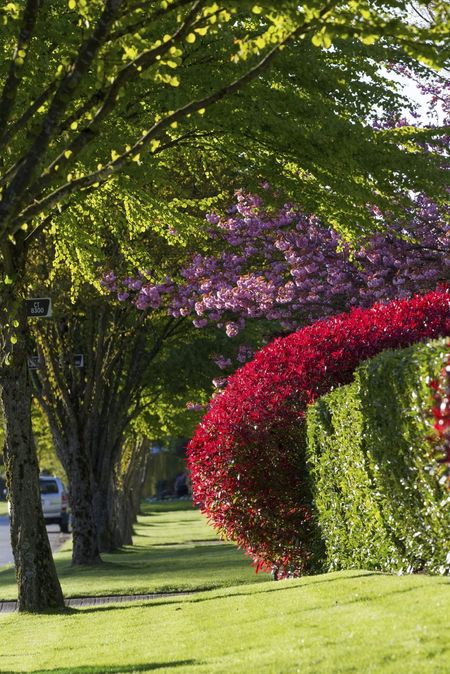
11, 606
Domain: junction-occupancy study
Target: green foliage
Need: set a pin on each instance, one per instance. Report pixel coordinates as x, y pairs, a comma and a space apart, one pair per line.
379, 497
187, 80
181, 373
47, 458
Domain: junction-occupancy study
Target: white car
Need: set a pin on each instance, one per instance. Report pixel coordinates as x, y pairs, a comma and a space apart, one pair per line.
55, 502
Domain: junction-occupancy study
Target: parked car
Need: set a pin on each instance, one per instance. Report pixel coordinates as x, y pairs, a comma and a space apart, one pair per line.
55, 502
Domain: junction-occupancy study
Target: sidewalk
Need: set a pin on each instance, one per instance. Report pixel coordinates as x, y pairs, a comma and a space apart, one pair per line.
76, 602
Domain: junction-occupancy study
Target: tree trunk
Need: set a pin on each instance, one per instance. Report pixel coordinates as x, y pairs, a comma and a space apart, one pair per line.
38, 586
76, 461
106, 492
102, 505
117, 507
95, 404
128, 493
137, 476
79, 472
113, 516
120, 519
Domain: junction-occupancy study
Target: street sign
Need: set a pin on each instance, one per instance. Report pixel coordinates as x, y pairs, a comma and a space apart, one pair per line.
39, 307
78, 360
34, 362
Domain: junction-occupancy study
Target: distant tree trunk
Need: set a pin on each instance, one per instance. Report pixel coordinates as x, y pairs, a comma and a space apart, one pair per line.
113, 516
85, 544
76, 461
38, 585
129, 488
117, 507
102, 504
120, 516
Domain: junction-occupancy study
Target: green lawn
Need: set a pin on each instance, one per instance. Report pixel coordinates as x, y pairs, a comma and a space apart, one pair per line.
174, 549
348, 622
3, 508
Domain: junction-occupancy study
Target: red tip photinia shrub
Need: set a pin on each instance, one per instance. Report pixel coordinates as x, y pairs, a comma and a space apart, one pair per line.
245, 459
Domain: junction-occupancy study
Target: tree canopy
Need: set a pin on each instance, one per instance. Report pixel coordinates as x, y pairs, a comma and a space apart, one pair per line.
93, 89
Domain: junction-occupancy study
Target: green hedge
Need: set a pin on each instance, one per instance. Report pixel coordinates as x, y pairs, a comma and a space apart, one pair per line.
379, 496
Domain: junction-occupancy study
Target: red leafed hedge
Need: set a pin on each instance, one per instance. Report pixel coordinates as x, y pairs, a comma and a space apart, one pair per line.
245, 458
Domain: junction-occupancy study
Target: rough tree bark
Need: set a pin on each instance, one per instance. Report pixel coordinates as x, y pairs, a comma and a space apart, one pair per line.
38, 586
58, 395
124, 502
77, 465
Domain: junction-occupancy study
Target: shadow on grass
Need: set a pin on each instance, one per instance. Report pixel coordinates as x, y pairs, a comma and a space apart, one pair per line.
151, 569
196, 558
162, 523
195, 599
164, 507
105, 669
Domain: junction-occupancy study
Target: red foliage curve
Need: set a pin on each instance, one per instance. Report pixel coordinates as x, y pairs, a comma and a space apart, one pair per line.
246, 469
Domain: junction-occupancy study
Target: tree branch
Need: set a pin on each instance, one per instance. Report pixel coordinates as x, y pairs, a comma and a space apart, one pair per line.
58, 382
23, 119
114, 166
15, 73
128, 73
132, 28
32, 211
58, 106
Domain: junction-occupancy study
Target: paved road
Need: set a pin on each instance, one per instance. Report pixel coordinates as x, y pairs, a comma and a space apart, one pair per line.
55, 537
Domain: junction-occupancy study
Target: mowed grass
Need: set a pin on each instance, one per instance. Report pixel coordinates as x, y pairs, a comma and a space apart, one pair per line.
174, 550
347, 622
3, 508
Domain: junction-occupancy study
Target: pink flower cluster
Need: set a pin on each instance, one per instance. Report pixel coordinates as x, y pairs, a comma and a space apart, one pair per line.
285, 266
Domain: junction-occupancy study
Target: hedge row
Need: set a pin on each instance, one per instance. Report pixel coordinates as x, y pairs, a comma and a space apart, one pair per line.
247, 471
380, 499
